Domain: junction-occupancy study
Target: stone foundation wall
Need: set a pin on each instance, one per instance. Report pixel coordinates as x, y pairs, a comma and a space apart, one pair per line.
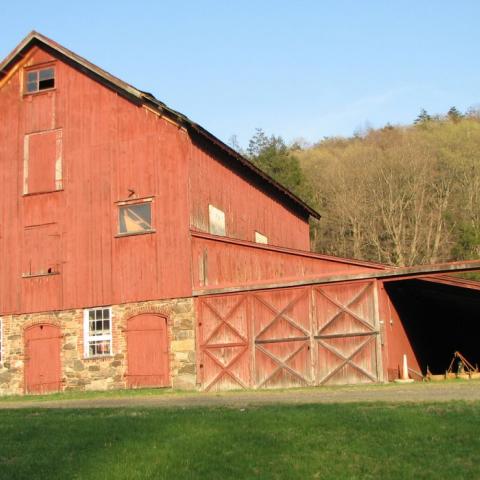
100, 373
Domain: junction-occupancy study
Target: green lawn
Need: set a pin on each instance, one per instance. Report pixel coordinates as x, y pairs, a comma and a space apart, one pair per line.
407, 441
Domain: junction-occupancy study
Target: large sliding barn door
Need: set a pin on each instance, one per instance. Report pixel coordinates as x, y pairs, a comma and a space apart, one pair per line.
289, 337
281, 329
345, 334
224, 339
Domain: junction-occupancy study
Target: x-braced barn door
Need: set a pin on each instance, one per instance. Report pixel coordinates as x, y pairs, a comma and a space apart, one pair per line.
289, 337
224, 340
346, 331
281, 329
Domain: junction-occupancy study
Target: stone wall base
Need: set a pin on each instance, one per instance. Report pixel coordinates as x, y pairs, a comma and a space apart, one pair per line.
103, 372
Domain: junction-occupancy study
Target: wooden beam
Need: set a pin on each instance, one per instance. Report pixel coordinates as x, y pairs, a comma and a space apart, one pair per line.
398, 273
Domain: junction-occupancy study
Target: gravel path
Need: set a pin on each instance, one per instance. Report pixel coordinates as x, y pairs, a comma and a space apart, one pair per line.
419, 392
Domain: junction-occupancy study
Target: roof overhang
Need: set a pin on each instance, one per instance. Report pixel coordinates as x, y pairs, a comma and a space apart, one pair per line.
429, 272
143, 98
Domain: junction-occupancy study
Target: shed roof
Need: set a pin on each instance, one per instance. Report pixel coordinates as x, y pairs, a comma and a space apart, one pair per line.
144, 98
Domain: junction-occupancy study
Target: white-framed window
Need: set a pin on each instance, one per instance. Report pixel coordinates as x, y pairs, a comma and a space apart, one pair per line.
97, 332
260, 238
216, 221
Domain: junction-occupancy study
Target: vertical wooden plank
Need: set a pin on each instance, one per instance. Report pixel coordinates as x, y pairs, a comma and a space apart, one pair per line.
312, 342
378, 337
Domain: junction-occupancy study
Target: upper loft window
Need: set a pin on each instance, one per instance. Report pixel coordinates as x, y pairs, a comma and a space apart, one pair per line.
135, 218
38, 80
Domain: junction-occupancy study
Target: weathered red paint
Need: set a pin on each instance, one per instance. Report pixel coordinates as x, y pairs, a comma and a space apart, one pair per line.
287, 337
396, 342
247, 209
42, 359
222, 262
147, 352
111, 150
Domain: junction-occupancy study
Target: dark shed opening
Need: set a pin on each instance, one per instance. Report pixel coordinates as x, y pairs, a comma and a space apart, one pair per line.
438, 319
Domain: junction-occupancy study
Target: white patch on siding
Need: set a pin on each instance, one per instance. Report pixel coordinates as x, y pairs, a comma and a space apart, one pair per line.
259, 238
216, 221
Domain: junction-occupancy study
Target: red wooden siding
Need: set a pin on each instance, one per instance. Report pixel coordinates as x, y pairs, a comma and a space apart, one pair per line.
41, 250
346, 333
41, 153
110, 148
147, 352
42, 359
396, 341
220, 263
290, 337
246, 207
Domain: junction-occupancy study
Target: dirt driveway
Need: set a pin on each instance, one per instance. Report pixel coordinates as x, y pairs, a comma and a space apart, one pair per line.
418, 392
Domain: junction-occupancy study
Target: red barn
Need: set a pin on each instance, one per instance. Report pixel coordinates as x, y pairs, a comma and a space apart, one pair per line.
139, 250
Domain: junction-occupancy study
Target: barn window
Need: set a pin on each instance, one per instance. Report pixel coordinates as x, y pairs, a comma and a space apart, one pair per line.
135, 218
97, 325
260, 238
216, 219
38, 80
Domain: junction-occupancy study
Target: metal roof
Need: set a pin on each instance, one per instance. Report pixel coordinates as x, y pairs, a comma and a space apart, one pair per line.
143, 98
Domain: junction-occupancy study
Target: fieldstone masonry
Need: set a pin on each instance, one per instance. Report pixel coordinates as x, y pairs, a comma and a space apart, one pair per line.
101, 373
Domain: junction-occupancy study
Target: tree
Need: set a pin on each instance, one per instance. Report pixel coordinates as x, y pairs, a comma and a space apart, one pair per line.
271, 154
454, 115
422, 118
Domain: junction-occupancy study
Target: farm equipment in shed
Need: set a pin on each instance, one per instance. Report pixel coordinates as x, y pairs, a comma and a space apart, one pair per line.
464, 370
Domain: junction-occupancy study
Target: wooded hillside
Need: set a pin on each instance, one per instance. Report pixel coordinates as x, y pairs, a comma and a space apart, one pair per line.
399, 195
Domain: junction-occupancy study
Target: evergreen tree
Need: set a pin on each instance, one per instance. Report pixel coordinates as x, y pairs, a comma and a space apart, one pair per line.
271, 154
454, 114
423, 117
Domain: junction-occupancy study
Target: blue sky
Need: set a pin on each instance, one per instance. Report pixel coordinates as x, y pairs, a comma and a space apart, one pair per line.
298, 69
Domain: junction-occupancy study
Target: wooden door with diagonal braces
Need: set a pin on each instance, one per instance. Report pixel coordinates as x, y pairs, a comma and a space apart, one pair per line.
289, 337
281, 338
223, 336
346, 334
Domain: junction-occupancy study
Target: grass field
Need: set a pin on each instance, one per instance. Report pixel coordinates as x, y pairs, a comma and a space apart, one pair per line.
408, 441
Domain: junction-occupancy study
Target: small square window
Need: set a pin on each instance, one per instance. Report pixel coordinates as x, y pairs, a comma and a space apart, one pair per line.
97, 332
135, 218
38, 80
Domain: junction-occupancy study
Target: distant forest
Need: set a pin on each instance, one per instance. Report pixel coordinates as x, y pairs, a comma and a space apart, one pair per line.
401, 195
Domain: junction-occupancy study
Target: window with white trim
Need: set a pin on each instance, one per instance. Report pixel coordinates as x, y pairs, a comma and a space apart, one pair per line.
97, 332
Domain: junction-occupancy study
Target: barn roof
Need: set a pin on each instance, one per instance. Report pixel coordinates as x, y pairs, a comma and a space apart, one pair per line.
144, 98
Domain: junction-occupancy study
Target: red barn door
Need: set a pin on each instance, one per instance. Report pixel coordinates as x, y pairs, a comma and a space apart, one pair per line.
147, 351
281, 323
42, 359
346, 334
224, 343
